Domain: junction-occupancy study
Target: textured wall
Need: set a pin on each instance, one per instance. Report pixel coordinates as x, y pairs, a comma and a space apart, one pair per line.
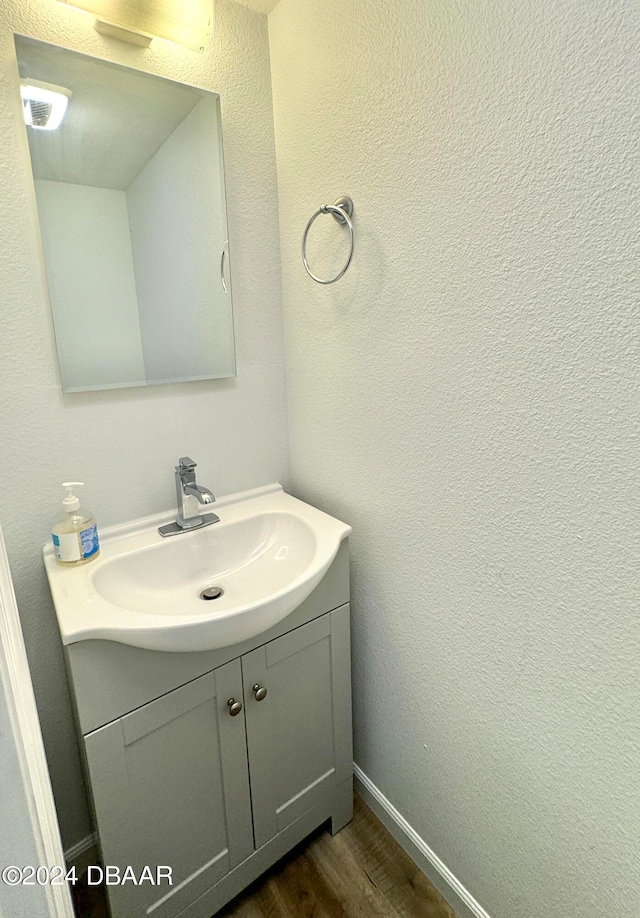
124, 444
467, 397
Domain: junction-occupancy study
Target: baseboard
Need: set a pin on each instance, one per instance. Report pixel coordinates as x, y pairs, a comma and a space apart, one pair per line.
458, 897
82, 854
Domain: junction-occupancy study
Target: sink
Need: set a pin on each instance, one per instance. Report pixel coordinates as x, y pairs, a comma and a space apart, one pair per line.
203, 589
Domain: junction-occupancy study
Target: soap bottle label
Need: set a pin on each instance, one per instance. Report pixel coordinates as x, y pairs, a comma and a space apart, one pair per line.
66, 546
76, 546
89, 543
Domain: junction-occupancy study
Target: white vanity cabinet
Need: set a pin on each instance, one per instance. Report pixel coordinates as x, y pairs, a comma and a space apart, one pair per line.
214, 764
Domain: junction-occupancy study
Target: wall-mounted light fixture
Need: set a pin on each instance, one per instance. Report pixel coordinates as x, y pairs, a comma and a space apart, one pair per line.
187, 22
44, 105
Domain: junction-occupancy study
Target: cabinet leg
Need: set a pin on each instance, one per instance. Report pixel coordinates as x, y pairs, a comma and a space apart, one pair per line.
342, 807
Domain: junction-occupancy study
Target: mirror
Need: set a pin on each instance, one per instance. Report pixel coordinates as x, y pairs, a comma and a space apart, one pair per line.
131, 204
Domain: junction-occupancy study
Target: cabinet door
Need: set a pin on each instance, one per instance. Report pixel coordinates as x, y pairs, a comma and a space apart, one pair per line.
299, 734
170, 787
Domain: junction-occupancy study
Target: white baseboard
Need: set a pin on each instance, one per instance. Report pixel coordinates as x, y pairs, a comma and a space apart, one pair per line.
458, 897
83, 853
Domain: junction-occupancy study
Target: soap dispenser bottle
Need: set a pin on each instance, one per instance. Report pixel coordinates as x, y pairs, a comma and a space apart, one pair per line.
75, 533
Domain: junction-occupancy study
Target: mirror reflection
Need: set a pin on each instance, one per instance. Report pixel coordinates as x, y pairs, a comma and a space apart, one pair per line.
131, 204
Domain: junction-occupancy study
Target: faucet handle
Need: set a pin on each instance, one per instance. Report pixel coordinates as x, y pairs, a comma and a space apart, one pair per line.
185, 464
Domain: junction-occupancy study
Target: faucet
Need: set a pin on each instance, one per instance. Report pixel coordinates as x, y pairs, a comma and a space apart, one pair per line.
191, 496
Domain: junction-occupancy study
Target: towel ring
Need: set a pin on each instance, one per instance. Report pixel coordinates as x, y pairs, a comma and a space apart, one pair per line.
342, 211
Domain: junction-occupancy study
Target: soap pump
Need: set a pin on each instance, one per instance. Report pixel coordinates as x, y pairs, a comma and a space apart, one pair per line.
75, 533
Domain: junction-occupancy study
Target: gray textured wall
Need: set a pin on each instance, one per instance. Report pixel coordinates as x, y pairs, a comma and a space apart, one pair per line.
124, 444
467, 398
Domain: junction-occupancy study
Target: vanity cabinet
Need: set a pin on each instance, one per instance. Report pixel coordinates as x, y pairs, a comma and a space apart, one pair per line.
170, 787
218, 776
298, 734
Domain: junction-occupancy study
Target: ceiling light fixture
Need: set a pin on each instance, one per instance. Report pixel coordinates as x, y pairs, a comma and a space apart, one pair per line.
186, 22
44, 105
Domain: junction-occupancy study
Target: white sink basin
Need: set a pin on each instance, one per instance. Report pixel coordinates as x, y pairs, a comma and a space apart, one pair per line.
267, 554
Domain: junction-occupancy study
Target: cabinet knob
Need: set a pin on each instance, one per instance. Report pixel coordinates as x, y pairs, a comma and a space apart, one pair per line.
234, 706
259, 691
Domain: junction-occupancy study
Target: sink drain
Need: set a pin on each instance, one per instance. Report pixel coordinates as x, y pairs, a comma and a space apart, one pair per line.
214, 592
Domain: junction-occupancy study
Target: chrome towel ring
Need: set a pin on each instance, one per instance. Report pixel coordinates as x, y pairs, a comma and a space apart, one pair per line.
342, 211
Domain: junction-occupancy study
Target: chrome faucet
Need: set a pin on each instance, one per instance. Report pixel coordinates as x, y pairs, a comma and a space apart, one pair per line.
191, 496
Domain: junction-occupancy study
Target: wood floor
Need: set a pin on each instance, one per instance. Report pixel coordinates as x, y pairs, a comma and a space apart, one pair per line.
359, 873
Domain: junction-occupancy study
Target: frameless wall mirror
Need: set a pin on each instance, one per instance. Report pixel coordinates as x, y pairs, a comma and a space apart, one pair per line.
131, 203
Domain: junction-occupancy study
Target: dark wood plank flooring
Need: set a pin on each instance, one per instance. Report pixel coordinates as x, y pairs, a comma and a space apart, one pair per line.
359, 873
